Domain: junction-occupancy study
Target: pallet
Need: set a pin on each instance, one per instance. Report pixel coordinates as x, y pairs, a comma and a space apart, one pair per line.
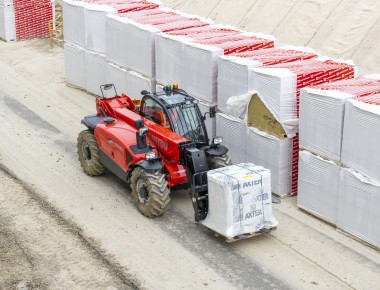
244, 236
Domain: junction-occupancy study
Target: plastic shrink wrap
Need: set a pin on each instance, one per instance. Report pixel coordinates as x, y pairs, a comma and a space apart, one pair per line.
280, 156
358, 206
322, 114
7, 23
234, 133
95, 72
279, 85
75, 65
318, 186
239, 200
361, 135
73, 19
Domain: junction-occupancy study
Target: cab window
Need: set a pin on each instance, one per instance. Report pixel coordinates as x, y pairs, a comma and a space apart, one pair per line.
153, 111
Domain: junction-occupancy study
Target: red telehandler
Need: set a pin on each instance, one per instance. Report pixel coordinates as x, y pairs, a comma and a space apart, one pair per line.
156, 145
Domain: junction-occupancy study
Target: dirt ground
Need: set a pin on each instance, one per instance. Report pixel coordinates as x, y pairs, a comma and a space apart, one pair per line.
60, 229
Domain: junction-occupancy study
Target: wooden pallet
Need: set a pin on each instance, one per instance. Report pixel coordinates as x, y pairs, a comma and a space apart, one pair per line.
244, 236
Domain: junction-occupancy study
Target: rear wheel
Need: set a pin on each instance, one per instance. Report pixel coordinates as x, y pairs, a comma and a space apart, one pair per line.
150, 192
88, 153
215, 162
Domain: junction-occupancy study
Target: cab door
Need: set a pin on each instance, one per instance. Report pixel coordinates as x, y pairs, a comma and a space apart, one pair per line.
153, 111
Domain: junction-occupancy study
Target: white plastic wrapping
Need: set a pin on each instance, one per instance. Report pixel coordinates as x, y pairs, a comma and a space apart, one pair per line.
233, 75
7, 23
237, 106
6, 2
239, 200
128, 82
318, 186
358, 207
75, 65
321, 121
169, 59
277, 89
209, 122
200, 70
272, 153
361, 138
95, 26
73, 21
95, 72
234, 133
131, 45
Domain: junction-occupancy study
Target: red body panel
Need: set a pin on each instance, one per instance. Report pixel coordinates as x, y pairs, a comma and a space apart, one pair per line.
115, 139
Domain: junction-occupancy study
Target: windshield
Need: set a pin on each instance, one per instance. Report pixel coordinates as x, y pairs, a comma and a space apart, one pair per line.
187, 122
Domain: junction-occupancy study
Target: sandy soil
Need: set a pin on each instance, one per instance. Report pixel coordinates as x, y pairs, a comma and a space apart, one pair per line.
336, 28
39, 122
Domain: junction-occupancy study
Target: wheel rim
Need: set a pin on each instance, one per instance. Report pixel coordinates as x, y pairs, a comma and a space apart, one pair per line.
142, 191
86, 153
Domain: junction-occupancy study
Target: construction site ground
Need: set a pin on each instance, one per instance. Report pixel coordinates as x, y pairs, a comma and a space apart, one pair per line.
61, 229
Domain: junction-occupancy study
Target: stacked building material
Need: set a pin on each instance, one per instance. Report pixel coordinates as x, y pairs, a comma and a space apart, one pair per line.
358, 206
239, 200
234, 69
279, 85
322, 113
20, 19
200, 60
322, 119
86, 31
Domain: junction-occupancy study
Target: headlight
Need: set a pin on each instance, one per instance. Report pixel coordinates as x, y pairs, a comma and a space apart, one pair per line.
217, 140
150, 155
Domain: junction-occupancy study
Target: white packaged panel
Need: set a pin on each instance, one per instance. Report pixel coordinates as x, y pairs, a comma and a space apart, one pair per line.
75, 65
140, 48
209, 122
200, 71
7, 23
73, 22
118, 76
96, 72
318, 186
136, 83
361, 138
277, 89
321, 121
95, 26
239, 200
272, 153
233, 75
117, 29
234, 133
169, 59
358, 207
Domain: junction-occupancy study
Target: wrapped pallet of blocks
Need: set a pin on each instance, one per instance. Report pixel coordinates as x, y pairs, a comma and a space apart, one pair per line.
209, 122
234, 133
279, 85
75, 65
361, 135
95, 72
234, 69
280, 156
73, 17
200, 69
318, 186
322, 113
358, 206
239, 200
131, 44
7, 23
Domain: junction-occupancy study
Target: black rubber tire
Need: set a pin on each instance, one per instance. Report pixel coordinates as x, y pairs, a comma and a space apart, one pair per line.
88, 154
215, 162
157, 198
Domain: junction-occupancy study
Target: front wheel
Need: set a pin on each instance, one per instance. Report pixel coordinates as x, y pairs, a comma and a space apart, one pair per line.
150, 192
88, 153
215, 162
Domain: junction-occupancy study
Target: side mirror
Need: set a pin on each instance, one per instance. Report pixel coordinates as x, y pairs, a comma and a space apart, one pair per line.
141, 138
212, 111
144, 92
